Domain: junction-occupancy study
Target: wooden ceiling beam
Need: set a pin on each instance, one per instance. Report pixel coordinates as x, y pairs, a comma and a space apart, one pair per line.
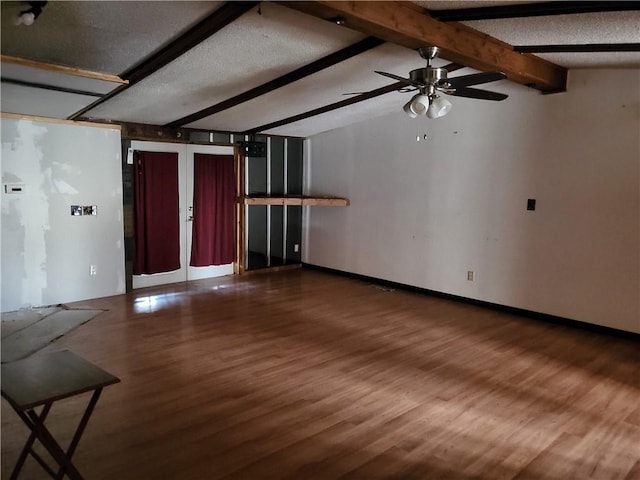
406, 24
62, 69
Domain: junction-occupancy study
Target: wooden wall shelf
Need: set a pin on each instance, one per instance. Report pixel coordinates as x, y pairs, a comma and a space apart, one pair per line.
304, 201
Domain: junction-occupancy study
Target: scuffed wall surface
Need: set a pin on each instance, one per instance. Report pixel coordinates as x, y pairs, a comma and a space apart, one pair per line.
425, 213
46, 252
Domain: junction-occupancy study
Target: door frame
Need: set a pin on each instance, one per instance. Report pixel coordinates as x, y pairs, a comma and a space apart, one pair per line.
180, 275
183, 150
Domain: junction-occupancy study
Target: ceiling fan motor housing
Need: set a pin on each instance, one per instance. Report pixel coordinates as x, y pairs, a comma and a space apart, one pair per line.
428, 75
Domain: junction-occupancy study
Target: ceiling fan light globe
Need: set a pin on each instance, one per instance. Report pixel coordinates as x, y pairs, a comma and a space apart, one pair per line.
439, 107
420, 104
407, 109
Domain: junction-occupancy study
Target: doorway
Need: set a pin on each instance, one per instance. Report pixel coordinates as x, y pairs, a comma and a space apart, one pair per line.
185, 157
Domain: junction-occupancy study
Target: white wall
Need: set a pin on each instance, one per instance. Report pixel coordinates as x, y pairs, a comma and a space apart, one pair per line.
46, 252
424, 213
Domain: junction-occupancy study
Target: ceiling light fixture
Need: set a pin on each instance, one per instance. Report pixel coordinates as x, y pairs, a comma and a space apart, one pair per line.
431, 81
418, 105
429, 104
439, 107
408, 110
28, 16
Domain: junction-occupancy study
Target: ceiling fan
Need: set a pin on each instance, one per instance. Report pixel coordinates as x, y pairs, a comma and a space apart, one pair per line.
430, 81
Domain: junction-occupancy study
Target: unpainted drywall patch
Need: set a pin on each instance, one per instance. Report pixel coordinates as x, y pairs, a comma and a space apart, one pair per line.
47, 254
28, 214
58, 175
12, 252
64, 167
60, 186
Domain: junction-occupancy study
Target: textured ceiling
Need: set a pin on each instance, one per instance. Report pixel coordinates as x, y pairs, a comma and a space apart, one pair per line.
254, 49
327, 86
103, 36
564, 29
576, 29
264, 43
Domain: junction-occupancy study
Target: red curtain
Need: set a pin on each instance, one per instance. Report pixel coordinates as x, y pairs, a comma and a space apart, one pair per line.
213, 239
156, 213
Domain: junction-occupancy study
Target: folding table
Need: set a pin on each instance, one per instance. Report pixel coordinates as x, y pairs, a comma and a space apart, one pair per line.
42, 380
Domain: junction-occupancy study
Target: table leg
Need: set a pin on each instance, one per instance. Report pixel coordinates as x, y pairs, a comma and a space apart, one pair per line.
80, 430
45, 466
29, 444
50, 443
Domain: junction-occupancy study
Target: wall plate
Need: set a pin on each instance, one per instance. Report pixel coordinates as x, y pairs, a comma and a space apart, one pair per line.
14, 188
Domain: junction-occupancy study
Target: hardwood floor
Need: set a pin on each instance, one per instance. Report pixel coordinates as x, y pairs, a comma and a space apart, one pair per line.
305, 375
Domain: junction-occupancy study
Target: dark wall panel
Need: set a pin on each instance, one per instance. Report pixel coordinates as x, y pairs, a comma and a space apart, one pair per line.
277, 166
257, 171
294, 166
257, 237
199, 137
221, 137
275, 226
277, 235
127, 204
208, 137
294, 234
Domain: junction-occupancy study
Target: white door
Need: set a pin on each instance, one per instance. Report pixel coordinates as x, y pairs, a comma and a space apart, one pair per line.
195, 273
185, 182
180, 275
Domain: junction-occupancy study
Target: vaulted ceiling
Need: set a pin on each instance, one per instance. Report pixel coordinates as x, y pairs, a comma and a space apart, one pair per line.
284, 68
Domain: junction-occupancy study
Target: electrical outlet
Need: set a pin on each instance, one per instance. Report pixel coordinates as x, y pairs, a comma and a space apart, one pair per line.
93, 270
470, 275
296, 248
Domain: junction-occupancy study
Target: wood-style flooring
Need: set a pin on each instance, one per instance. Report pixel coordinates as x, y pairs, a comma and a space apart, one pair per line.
306, 375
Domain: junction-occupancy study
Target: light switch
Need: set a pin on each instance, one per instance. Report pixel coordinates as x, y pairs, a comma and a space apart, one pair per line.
14, 188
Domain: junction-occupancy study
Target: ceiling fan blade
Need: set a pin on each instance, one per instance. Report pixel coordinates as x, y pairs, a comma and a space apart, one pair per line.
400, 79
452, 67
401, 90
477, 93
475, 79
